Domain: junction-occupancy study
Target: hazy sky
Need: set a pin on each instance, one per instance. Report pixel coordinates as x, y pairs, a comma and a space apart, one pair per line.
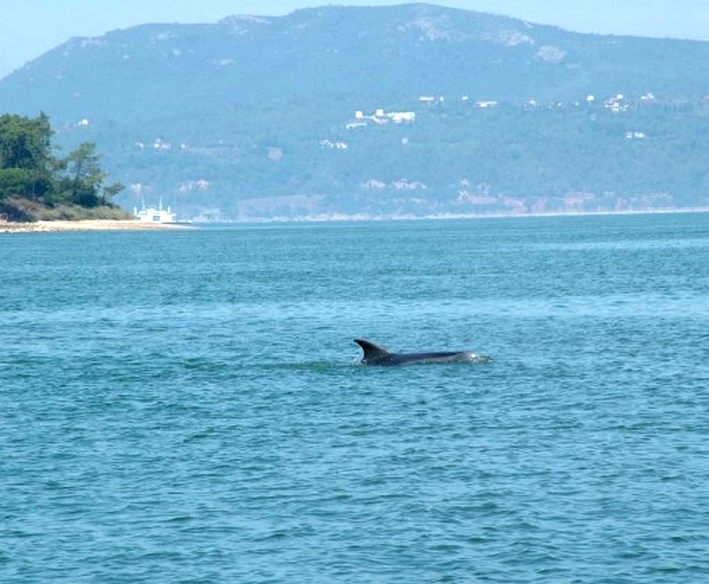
29, 28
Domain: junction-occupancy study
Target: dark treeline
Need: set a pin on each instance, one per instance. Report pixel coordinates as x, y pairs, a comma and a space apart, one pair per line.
33, 177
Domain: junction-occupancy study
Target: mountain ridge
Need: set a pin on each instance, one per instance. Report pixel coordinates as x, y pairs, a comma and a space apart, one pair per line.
248, 105
354, 47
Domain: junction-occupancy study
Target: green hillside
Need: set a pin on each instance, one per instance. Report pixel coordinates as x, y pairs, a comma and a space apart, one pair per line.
256, 117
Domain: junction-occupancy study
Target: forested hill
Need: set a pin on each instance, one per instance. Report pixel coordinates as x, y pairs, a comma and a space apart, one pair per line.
355, 54
258, 116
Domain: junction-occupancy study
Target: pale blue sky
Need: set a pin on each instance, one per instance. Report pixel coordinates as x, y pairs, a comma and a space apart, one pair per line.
29, 28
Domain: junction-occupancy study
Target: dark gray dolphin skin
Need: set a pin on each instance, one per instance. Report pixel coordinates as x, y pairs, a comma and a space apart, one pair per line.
377, 355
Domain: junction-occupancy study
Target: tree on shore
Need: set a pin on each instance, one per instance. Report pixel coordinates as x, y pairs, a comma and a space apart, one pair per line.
26, 162
29, 170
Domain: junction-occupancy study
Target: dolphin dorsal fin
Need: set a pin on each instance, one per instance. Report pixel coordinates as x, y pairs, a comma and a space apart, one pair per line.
372, 351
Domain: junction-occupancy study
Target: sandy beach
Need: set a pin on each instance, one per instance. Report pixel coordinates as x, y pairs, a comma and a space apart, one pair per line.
88, 225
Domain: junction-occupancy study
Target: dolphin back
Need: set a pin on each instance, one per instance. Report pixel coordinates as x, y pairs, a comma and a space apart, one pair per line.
377, 355
373, 353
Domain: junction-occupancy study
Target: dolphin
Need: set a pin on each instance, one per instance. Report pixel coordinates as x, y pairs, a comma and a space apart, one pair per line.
377, 355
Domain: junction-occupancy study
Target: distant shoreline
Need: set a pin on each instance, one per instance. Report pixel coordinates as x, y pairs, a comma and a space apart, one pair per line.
135, 225
86, 225
355, 218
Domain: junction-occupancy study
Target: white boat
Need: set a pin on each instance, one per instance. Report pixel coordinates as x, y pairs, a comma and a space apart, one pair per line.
155, 215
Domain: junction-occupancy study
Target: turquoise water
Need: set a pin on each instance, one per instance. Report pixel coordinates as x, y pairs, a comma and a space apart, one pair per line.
186, 406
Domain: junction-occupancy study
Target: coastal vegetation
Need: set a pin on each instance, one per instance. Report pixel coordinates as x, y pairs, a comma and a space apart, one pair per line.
36, 184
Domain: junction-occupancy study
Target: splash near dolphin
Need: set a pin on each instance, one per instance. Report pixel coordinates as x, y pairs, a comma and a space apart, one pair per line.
377, 355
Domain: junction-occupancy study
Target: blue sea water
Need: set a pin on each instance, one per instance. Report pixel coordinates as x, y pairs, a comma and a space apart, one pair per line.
186, 406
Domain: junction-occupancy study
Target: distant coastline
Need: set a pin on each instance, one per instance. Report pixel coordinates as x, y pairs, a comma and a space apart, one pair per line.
85, 225
355, 217
135, 225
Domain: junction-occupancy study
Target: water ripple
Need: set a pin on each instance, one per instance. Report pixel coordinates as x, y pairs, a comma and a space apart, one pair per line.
195, 412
